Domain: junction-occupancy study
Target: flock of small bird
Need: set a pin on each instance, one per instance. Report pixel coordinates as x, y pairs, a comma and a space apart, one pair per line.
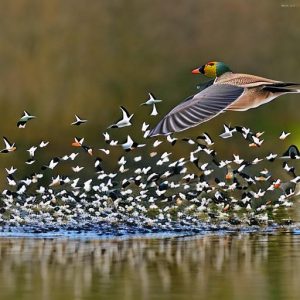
150, 186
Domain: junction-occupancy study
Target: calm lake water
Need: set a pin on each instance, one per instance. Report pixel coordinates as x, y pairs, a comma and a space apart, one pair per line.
229, 266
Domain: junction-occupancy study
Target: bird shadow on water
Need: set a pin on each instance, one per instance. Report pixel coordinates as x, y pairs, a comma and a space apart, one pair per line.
170, 184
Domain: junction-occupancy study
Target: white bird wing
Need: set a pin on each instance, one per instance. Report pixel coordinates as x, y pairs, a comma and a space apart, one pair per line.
154, 110
125, 113
7, 143
152, 97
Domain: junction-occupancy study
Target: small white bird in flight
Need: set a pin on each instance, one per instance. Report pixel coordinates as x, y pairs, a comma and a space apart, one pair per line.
43, 144
78, 121
77, 169
284, 135
52, 164
130, 144
125, 121
9, 147
23, 120
206, 138
31, 151
11, 170
152, 100
228, 132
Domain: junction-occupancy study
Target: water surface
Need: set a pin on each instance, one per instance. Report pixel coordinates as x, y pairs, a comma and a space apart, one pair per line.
223, 266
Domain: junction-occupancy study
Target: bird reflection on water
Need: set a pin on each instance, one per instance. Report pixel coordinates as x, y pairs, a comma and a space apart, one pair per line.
240, 266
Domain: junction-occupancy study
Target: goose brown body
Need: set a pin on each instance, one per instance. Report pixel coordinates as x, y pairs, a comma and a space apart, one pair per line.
254, 95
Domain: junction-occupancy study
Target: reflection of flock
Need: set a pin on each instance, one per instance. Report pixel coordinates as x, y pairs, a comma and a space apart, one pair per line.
150, 187
232, 265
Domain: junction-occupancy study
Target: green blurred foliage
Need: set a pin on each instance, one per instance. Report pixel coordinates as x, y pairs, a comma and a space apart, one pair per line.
58, 58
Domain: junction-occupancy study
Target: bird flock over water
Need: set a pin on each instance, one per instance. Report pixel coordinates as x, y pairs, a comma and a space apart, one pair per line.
150, 186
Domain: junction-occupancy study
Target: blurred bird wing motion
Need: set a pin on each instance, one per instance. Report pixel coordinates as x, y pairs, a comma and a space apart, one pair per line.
198, 108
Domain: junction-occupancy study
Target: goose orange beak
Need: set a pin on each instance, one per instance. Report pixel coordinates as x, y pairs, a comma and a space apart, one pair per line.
196, 71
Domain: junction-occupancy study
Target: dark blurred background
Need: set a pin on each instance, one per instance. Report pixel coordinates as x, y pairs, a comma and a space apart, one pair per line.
58, 58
